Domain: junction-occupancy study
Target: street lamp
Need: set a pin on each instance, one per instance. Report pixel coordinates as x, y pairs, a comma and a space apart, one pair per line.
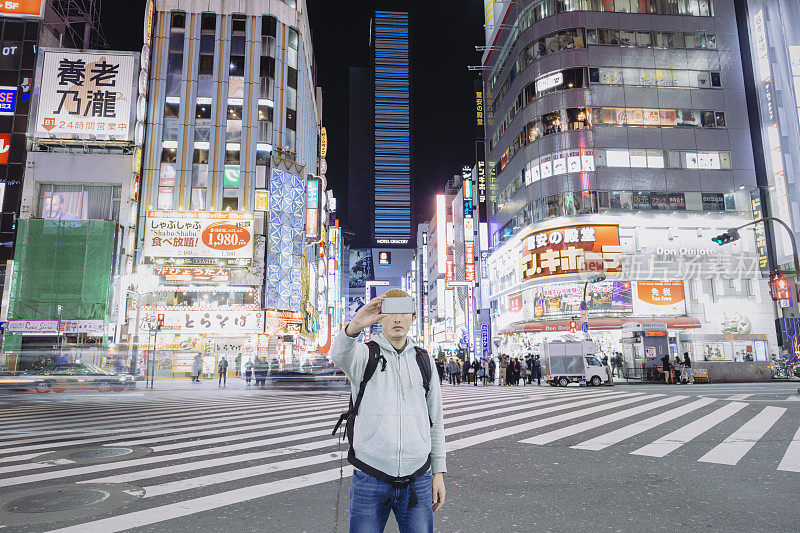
593, 278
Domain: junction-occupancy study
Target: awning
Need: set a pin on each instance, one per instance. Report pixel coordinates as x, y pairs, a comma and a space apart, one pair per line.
556, 326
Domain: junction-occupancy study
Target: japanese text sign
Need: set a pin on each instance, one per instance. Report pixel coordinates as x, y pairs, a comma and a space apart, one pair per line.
200, 275
8, 100
199, 238
211, 321
84, 93
571, 250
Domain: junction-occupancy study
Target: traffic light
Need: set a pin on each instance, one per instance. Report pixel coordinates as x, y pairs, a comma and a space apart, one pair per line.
780, 287
729, 236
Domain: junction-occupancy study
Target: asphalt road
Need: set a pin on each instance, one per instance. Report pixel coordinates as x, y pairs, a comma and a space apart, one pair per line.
198, 458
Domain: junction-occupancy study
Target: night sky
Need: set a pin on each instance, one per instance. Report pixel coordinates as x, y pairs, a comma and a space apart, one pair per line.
444, 34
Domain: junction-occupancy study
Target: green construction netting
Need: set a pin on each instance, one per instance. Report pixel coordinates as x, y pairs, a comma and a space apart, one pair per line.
63, 263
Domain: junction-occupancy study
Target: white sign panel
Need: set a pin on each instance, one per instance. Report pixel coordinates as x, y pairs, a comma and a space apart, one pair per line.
83, 94
210, 321
199, 237
33, 327
548, 82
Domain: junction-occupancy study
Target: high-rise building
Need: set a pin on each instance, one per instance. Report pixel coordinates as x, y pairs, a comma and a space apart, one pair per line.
392, 129
771, 60
617, 139
230, 181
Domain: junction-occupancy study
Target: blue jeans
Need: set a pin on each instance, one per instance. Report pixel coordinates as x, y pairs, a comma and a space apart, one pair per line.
368, 514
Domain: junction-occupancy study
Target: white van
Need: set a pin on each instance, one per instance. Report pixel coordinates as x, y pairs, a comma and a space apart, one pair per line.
572, 362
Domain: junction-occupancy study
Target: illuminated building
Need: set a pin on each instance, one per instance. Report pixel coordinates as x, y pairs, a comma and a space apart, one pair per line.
607, 135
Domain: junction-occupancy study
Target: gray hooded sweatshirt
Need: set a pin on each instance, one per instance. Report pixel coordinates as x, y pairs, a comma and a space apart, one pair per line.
392, 431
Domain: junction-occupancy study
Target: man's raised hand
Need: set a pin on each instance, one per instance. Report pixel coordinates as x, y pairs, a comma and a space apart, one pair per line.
365, 317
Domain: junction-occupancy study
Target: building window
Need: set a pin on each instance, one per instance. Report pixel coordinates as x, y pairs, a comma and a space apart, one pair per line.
233, 130
79, 202
208, 23
265, 123
291, 51
175, 53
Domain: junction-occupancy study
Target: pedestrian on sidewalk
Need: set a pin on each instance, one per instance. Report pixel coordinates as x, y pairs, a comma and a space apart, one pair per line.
440, 369
197, 367
523, 372
529, 364
610, 381
537, 370
667, 369
484, 371
474, 369
492, 367
453, 372
687, 365
223, 372
248, 371
503, 369
397, 469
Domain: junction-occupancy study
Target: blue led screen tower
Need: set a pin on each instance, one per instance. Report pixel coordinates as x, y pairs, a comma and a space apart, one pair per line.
392, 129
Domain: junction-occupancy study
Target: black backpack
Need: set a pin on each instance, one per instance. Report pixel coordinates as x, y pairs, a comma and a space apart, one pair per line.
349, 417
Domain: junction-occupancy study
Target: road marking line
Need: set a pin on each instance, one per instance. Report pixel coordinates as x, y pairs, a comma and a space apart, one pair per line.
739, 397
514, 430
214, 463
617, 436
116, 438
791, 459
574, 429
206, 503
731, 450
672, 441
209, 463
252, 470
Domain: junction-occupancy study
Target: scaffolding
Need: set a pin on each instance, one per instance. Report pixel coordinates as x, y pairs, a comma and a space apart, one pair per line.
62, 264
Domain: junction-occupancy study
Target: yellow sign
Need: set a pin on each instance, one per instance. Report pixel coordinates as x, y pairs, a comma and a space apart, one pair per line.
262, 200
323, 142
148, 22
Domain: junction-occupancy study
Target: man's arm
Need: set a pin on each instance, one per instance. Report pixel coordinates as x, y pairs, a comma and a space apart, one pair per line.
438, 452
438, 459
343, 352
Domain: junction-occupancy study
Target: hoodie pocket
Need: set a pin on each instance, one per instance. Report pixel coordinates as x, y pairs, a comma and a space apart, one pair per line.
416, 436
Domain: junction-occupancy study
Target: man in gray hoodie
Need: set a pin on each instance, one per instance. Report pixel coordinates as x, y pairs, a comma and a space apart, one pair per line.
397, 429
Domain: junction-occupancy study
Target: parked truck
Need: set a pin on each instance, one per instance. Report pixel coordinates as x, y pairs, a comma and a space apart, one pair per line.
572, 362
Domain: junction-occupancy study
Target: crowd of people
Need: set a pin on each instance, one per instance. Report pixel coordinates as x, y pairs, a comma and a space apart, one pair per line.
506, 370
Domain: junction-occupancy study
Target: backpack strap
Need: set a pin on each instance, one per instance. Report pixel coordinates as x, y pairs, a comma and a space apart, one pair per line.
374, 358
424, 363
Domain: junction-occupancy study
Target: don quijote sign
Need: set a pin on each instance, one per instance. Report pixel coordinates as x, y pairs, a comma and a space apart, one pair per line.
571, 250
199, 238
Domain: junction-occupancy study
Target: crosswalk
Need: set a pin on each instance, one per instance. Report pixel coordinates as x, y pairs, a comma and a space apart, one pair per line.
209, 450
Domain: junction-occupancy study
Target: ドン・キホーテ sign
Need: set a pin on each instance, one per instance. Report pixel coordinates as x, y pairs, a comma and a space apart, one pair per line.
571, 250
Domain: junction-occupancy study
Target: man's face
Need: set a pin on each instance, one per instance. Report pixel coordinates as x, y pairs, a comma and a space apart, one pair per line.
396, 325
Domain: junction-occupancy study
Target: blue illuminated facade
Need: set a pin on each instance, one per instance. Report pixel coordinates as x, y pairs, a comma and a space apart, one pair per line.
392, 129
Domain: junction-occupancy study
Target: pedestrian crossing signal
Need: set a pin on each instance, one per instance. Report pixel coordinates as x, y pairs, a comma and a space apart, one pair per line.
780, 287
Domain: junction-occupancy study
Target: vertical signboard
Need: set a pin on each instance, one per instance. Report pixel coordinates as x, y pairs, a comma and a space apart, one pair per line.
760, 233
312, 208
441, 234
